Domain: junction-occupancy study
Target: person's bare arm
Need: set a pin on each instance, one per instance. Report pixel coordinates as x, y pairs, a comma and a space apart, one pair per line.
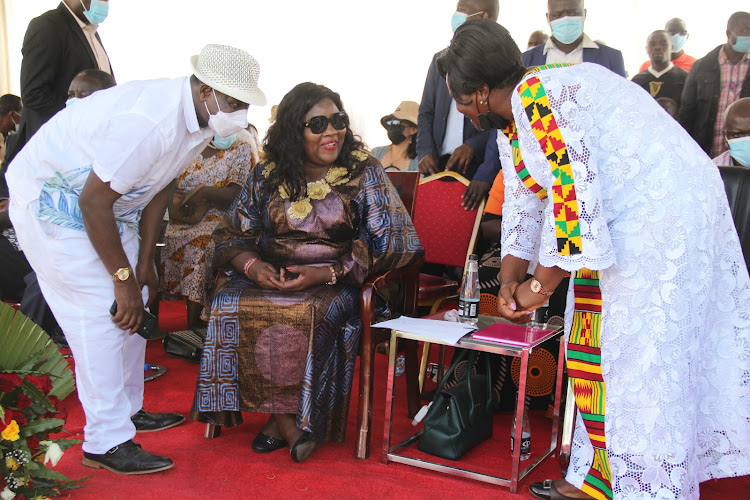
96, 202
149, 229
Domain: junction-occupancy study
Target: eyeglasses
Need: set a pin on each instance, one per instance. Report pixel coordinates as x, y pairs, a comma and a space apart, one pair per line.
319, 124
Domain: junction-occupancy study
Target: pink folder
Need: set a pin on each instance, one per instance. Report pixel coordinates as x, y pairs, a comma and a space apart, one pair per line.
511, 334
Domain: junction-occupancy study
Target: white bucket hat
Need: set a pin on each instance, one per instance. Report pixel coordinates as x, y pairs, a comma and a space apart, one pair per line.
231, 71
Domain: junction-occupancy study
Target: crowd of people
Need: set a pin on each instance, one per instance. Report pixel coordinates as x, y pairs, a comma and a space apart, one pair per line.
592, 209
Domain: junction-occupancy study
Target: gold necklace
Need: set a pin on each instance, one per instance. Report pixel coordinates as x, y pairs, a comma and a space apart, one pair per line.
316, 190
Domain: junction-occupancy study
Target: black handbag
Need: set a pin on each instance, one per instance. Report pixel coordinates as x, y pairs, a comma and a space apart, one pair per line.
460, 417
187, 345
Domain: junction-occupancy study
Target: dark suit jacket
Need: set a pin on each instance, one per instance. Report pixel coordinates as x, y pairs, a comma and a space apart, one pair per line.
433, 118
54, 51
700, 98
604, 56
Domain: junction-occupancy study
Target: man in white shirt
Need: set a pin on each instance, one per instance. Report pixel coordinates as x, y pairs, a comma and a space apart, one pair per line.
568, 43
88, 194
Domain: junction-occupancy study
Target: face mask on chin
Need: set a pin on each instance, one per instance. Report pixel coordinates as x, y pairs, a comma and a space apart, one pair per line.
225, 124
490, 120
567, 29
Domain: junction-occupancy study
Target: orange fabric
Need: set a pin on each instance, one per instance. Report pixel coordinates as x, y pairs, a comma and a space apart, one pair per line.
684, 61
496, 197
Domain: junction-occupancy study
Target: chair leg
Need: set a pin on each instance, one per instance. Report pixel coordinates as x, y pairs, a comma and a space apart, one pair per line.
423, 364
412, 382
212, 431
364, 415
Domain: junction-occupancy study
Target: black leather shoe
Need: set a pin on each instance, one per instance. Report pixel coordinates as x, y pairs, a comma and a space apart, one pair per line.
541, 489
303, 448
127, 458
150, 422
266, 444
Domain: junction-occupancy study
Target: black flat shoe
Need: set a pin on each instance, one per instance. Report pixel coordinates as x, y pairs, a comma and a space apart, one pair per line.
266, 444
303, 448
541, 490
151, 422
127, 458
546, 491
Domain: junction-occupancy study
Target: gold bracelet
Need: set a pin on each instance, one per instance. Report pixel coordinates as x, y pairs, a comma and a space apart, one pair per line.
333, 276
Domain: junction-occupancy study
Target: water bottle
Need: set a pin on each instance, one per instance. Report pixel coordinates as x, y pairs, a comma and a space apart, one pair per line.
468, 300
525, 435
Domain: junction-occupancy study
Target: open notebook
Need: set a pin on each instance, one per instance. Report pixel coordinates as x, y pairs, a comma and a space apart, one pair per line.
511, 334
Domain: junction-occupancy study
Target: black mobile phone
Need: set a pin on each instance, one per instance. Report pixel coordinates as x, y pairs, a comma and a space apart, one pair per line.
149, 325
290, 275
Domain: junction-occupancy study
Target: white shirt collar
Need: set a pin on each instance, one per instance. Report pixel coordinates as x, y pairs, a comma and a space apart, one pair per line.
658, 74
188, 107
84, 26
586, 43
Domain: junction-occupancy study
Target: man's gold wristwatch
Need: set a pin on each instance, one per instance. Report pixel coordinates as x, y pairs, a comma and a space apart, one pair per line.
122, 274
536, 287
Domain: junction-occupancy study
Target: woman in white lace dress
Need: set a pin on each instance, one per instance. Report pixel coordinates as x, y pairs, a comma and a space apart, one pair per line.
602, 183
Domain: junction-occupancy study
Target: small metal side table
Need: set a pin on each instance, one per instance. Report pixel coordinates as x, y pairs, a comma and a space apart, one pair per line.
390, 453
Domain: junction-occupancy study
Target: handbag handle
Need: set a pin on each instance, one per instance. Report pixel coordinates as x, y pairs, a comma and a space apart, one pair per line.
471, 356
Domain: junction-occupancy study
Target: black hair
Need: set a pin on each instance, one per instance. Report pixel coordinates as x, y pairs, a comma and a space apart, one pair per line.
10, 102
284, 142
101, 79
481, 52
411, 151
735, 18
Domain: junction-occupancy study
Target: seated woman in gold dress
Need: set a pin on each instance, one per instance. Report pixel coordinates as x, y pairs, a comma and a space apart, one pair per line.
312, 222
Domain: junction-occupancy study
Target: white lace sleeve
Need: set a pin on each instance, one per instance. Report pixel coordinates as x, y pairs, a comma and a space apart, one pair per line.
572, 106
522, 210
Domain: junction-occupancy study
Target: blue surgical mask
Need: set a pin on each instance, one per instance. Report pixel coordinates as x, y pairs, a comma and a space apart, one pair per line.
98, 11
740, 150
459, 18
678, 42
223, 142
567, 29
742, 45
71, 101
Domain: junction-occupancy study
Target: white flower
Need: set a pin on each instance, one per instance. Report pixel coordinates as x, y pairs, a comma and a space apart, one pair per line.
54, 452
7, 494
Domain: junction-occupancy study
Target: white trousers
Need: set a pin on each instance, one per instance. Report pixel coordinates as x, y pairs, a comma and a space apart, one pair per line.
79, 290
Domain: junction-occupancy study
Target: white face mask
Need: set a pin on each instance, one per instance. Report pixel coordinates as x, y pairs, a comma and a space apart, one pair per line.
226, 124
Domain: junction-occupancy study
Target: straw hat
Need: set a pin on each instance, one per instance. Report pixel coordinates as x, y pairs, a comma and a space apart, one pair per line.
231, 71
407, 111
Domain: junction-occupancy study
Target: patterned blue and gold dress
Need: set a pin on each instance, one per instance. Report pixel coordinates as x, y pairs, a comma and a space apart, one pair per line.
274, 351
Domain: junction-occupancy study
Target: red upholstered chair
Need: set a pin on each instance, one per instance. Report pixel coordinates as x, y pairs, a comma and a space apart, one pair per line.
448, 233
406, 184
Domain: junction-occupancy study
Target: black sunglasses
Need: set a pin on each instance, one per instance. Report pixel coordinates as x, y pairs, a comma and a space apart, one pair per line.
319, 124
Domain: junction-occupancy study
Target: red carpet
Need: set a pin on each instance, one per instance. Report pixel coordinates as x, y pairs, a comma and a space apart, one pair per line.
227, 468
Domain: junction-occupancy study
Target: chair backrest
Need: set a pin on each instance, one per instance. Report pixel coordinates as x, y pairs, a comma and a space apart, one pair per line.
446, 230
406, 184
737, 185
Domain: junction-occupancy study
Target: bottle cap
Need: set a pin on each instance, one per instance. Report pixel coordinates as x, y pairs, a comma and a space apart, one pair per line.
473, 257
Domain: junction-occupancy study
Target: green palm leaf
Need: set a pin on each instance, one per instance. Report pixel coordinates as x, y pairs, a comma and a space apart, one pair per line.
24, 346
